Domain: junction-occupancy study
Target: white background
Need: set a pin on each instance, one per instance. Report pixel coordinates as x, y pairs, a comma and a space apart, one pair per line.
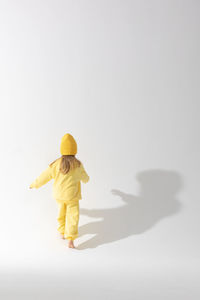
123, 78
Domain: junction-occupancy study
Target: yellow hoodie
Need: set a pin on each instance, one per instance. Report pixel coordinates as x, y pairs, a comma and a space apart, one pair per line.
65, 186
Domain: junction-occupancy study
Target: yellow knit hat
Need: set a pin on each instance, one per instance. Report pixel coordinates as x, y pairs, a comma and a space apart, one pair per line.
68, 145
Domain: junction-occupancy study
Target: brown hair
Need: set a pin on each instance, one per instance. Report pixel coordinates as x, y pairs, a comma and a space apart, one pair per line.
68, 162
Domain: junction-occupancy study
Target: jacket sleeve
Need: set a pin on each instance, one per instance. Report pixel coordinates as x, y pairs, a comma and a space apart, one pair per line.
83, 175
42, 179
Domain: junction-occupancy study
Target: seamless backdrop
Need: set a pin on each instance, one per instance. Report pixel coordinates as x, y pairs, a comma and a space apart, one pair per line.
123, 78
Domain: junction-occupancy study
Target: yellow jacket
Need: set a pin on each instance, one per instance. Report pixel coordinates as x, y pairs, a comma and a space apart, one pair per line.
65, 186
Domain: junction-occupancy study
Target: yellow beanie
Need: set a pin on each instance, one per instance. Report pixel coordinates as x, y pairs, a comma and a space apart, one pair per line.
68, 145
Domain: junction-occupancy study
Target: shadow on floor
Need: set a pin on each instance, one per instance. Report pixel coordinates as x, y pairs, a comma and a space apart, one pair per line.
157, 200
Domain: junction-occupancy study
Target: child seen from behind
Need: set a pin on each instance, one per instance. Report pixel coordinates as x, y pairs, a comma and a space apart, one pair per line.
67, 172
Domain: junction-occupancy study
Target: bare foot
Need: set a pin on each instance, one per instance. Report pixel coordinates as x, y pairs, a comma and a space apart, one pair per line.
71, 244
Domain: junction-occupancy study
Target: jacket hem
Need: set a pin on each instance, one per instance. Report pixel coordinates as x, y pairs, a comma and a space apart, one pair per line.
61, 200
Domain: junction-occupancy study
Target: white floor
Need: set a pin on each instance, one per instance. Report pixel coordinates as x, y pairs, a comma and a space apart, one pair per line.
101, 273
146, 264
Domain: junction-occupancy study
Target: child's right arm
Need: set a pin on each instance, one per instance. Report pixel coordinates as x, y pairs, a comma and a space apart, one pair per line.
83, 175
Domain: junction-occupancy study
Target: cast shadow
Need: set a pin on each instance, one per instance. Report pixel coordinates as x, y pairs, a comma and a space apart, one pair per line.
157, 199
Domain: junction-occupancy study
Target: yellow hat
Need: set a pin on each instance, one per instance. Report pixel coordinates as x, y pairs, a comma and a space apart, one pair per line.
68, 145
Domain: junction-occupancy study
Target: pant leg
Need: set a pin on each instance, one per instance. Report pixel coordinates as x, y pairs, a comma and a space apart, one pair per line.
61, 217
72, 216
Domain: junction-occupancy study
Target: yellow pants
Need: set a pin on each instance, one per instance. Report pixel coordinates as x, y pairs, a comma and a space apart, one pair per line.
68, 218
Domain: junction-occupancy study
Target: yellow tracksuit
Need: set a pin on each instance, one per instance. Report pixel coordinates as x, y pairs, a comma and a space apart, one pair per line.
67, 192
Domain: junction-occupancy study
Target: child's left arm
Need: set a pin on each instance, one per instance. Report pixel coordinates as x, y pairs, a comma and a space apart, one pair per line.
42, 179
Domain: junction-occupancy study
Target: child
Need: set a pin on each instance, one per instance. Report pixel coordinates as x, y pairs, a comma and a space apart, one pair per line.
67, 172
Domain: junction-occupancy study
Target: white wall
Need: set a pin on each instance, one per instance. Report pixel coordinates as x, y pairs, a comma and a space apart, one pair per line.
123, 78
